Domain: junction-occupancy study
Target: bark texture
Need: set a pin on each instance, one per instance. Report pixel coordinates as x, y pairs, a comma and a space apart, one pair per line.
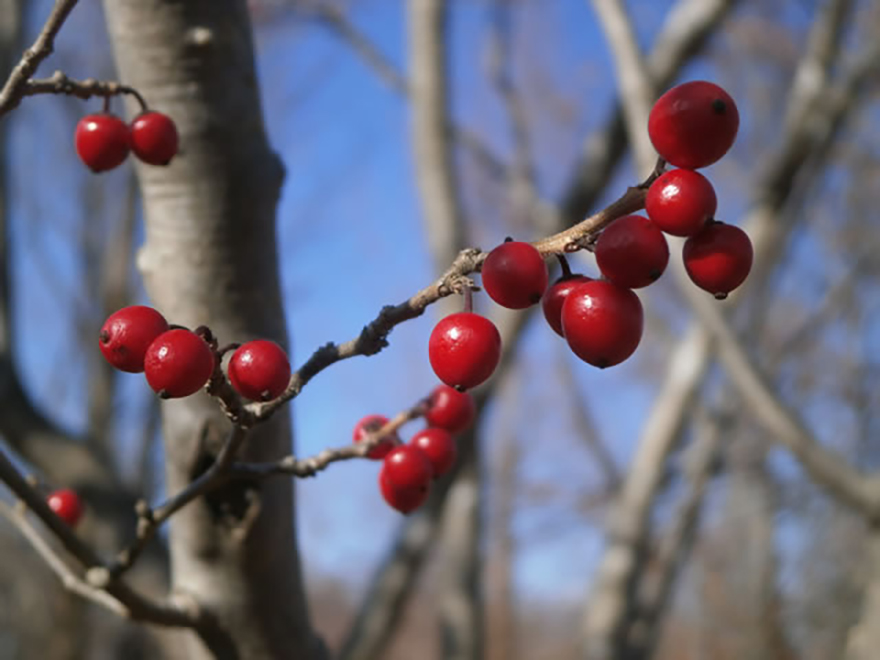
210, 258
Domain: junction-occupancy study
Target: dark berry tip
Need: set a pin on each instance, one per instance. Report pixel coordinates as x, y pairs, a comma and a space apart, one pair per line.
163, 394
603, 363
508, 239
655, 275
535, 298
720, 296
104, 337
459, 388
265, 395
719, 107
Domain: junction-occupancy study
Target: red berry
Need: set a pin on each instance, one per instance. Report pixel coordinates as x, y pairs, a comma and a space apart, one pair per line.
370, 424
126, 335
404, 501
259, 370
66, 505
437, 444
154, 138
405, 476
464, 349
693, 124
102, 141
450, 409
681, 202
555, 296
602, 322
632, 252
719, 258
178, 363
515, 275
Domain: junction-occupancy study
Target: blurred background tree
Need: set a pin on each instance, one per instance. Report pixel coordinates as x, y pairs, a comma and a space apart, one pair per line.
695, 502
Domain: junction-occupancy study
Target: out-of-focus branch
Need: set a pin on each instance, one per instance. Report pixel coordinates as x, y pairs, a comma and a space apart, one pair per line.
633, 78
703, 460
611, 604
335, 19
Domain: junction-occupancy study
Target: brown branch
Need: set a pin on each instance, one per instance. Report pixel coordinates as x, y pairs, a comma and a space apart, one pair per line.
59, 83
13, 90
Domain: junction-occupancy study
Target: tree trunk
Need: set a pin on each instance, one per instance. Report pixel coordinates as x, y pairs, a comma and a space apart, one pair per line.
209, 258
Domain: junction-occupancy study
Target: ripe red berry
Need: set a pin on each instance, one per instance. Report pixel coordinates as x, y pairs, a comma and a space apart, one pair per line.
515, 275
259, 370
178, 363
555, 296
719, 258
464, 349
154, 138
370, 424
126, 335
632, 252
102, 141
693, 124
602, 322
450, 409
66, 505
681, 202
438, 445
405, 476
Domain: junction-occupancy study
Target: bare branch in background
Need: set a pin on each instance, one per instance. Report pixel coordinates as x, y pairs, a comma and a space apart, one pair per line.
634, 83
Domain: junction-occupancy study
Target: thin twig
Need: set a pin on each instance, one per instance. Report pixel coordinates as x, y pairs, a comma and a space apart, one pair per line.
13, 90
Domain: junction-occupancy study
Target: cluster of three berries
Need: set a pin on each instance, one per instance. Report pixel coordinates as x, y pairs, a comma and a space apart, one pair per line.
178, 362
103, 140
408, 469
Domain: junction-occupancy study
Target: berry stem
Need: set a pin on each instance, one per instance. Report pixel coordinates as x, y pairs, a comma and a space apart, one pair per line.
563, 263
468, 299
107, 105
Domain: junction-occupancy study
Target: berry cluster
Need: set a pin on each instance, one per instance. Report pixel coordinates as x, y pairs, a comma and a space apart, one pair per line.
408, 469
103, 140
178, 362
691, 126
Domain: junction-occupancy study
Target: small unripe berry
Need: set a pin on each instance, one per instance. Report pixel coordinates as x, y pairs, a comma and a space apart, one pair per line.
632, 252
178, 363
464, 349
102, 141
693, 124
66, 505
450, 409
602, 323
371, 424
259, 370
719, 258
515, 275
154, 138
126, 335
438, 446
681, 202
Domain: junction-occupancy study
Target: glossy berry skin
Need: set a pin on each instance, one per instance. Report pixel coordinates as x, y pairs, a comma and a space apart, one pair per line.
718, 259
464, 349
66, 505
126, 335
632, 252
154, 138
681, 202
555, 296
515, 275
368, 425
259, 370
602, 323
693, 124
439, 447
450, 409
178, 363
405, 477
102, 141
